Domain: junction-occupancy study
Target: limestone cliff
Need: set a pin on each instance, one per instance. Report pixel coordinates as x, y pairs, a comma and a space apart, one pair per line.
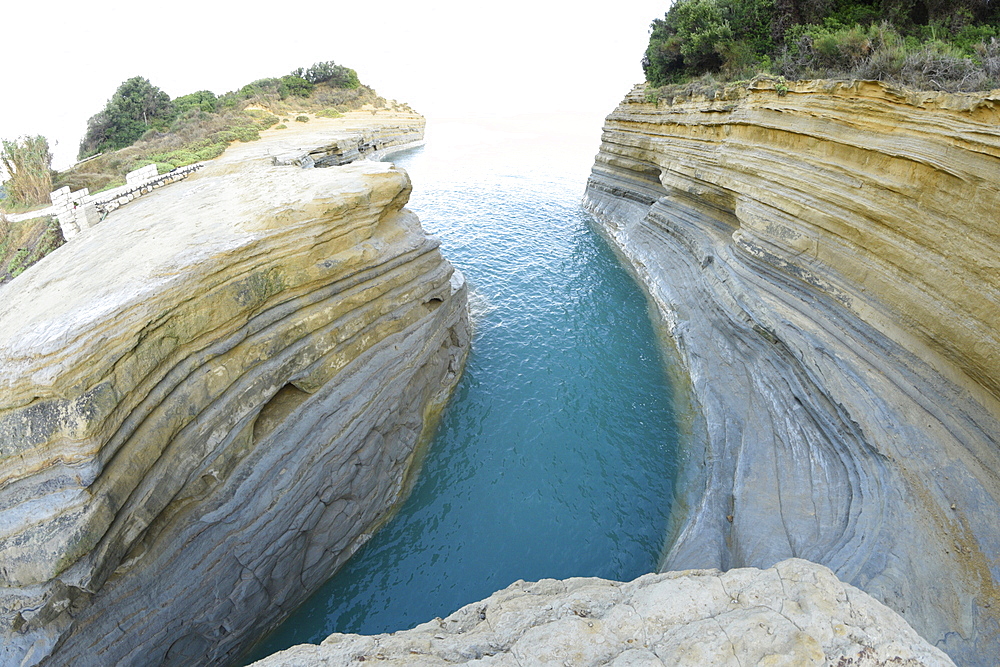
210, 400
795, 614
828, 262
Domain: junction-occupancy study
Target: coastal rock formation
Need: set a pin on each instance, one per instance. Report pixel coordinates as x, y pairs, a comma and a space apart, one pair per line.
209, 401
796, 614
827, 258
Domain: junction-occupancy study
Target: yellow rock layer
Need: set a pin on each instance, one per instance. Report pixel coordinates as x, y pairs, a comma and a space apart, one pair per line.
209, 399
828, 260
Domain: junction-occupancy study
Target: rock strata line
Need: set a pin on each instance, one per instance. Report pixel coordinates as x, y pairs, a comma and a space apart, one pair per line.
211, 400
828, 262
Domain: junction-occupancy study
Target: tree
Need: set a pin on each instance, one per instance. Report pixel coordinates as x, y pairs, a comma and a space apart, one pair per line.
329, 72
28, 163
291, 84
203, 100
686, 40
136, 107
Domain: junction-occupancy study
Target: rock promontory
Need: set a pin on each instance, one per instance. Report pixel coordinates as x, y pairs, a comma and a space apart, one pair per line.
210, 399
794, 614
827, 257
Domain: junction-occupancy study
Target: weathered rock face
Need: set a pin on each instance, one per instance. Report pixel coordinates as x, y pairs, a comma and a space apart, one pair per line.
209, 401
795, 614
828, 262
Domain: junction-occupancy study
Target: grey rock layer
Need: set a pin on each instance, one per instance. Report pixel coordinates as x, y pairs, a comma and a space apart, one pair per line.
826, 261
792, 615
209, 402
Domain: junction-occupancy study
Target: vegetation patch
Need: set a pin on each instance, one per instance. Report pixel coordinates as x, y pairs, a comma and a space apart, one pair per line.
141, 125
27, 162
922, 44
24, 243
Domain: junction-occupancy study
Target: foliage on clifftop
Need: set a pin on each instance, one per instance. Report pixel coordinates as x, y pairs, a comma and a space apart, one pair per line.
949, 45
141, 125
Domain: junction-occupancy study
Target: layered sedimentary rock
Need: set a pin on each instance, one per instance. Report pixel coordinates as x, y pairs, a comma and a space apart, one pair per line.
796, 614
827, 259
210, 400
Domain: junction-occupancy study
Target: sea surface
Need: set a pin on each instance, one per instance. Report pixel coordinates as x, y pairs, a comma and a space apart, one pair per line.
556, 455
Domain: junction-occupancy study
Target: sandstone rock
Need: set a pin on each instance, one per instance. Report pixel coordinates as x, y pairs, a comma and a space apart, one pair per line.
209, 401
828, 262
796, 614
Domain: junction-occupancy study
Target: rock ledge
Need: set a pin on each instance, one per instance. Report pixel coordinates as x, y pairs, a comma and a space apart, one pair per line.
794, 614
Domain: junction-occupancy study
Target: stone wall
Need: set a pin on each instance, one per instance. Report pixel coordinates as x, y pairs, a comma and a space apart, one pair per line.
79, 211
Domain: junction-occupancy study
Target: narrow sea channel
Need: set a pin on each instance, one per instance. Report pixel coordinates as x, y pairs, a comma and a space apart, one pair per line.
556, 455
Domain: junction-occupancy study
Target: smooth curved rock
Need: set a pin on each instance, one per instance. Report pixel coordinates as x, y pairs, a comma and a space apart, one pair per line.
795, 614
209, 401
828, 262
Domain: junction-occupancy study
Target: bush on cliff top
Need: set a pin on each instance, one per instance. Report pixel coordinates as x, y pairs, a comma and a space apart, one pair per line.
926, 44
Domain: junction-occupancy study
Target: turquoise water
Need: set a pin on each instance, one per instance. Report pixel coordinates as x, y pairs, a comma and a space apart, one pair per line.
555, 456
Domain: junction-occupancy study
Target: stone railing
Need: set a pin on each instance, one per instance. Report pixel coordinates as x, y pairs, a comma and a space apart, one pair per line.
80, 210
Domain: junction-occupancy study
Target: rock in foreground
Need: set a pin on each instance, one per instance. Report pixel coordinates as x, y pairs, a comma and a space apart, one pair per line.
210, 400
794, 614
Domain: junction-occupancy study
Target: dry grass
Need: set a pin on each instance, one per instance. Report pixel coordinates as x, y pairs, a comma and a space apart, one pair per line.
28, 164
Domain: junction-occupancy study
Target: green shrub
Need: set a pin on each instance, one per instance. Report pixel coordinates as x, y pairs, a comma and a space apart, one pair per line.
179, 158
203, 100
281, 126
923, 44
329, 72
164, 168
267, 121
302, 119
17, 264
211, 151
226, 136
228, 101
329, 113
246, 133
290, 84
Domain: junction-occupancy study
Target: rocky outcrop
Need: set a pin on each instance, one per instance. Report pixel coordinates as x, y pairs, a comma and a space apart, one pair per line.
209, 401
827, 259
369, 142
796, 614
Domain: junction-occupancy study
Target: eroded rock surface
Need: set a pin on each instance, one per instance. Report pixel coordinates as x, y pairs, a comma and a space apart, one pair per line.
828, 261
794, 614
209, 401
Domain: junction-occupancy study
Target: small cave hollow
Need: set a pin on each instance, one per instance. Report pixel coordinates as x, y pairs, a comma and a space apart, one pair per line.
282, 404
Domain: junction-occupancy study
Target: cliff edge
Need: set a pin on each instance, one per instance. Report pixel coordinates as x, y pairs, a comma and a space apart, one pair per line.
827, 258
209, 400
795, 614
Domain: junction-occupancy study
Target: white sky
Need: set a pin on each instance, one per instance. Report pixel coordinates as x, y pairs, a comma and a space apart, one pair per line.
63, 60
